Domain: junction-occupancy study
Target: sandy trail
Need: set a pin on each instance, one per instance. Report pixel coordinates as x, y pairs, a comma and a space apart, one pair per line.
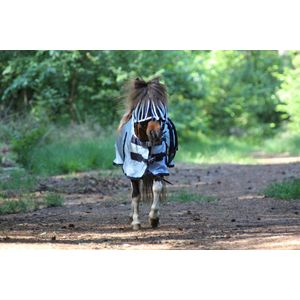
96, 209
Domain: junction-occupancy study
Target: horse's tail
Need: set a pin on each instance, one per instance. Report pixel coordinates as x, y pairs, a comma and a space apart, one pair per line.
146, 189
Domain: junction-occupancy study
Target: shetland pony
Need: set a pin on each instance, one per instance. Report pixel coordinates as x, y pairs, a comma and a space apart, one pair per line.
146, 146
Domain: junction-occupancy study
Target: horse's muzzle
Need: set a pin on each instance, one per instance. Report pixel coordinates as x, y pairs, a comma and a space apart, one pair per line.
155, 137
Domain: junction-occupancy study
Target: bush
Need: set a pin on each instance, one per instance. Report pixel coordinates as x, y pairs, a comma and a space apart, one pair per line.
24, 144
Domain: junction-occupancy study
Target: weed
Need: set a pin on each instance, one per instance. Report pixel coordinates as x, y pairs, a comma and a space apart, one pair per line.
287, 190
12, 206
53, 199
18, 181
187, 196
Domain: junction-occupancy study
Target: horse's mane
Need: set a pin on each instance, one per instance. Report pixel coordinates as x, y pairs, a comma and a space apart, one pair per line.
139, 90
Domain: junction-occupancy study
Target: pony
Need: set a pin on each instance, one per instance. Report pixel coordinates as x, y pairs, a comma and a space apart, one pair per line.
146, 145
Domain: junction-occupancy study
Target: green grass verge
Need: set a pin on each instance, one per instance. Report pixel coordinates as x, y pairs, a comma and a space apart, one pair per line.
17, 181
70, 149
217, 150
187, 196
9, 206
17, 193
286, 142
212, 150
28, 203
68, 156
287, 190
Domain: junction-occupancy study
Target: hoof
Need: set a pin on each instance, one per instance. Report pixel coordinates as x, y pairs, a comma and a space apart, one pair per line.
154, 222
136, 226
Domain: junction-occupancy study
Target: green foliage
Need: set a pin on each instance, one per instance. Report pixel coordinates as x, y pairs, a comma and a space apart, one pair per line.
21, 135
9, 206
53, 199
217, 150
241, 91
17, 181
15, 187
187, 196
17, 195
243, 95
287, 190
285, 142
228, 92
68, 153
26, 203
290, 93
24, 144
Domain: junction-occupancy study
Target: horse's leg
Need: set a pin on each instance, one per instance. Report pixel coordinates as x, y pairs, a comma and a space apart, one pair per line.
136, 197
154, 212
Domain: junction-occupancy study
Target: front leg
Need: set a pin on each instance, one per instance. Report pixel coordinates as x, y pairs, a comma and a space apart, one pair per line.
154, 212
136, 197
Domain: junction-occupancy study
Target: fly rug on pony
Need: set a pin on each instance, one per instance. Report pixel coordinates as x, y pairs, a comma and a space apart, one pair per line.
146, 146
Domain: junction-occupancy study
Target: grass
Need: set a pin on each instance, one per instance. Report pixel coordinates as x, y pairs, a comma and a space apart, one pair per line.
212, 150
69, 156
55, 149
286, 142
217, 150
28, 203
9, 206
286, 190
53, 199
187, 196
17, 181
17, 193
85, 147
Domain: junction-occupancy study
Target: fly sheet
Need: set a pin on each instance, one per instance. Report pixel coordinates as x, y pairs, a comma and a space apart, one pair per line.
137, 157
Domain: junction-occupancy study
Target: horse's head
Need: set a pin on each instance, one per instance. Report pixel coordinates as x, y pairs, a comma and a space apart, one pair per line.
149, 131
147, 105
149, 110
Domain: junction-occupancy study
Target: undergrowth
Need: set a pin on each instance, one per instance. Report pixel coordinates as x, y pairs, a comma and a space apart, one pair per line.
286, 190
68, 156
217, 150
53, 199
285, 142
44, 148
29, 202
211, 150
17, 181
17, 193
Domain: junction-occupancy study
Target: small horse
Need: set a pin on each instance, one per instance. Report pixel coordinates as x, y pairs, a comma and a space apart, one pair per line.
146, 146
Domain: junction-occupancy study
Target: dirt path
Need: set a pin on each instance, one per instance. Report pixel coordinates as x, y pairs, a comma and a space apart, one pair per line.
95, 214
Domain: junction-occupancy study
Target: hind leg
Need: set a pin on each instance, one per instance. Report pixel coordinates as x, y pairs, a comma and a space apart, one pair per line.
135, 201
154, 212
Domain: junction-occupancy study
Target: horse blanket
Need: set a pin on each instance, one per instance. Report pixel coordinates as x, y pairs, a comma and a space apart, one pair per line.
137, 157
